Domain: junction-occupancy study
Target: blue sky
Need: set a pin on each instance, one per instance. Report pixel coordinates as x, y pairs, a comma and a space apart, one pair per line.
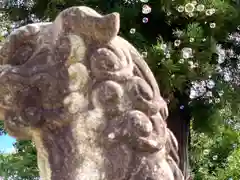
6, 143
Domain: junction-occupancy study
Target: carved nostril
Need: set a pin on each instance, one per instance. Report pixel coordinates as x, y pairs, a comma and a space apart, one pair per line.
29, 97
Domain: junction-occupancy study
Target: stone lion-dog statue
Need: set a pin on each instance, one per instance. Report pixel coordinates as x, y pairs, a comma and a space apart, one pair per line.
87, 99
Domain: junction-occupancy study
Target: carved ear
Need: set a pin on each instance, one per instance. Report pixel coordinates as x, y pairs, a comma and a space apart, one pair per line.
21, 39
87, 22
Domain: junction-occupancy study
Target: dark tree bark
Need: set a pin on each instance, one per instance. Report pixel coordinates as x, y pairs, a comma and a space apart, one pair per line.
179, 123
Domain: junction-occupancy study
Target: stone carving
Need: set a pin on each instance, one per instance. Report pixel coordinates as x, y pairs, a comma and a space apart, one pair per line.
87, 99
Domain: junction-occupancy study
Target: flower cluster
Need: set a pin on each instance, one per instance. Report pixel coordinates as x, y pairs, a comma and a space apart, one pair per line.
193, 7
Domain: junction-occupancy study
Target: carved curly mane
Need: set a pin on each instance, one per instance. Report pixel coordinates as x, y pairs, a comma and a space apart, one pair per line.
81, 92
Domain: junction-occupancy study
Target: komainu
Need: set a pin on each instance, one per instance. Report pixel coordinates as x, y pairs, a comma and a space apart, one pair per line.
87, 100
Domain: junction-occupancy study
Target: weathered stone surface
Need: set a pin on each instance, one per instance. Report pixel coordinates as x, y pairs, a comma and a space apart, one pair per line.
87, 99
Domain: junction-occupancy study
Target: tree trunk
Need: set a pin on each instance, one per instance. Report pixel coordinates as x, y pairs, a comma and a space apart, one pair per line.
179, 123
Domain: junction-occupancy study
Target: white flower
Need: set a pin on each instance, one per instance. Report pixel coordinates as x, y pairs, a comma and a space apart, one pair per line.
168, 55
178, 33
212, 25
206, 151
210, 12
163, 46
190, 63
210, 84
215, 157
146, 9
217, 100
194, 3
144, 54
220, 93
181, 61
169, 13
195, 64
180, 8
209, 94
200, 7
191, 39
177, 42
132, 30
189, 8
187, 53
190, 14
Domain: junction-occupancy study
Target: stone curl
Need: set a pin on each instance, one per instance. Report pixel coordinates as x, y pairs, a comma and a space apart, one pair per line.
135, 111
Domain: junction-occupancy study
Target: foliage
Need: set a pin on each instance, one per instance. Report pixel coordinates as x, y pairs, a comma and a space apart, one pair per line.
232, 169
215, 157
22, 164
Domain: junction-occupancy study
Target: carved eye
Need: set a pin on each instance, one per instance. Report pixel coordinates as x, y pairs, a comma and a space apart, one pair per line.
30, 97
